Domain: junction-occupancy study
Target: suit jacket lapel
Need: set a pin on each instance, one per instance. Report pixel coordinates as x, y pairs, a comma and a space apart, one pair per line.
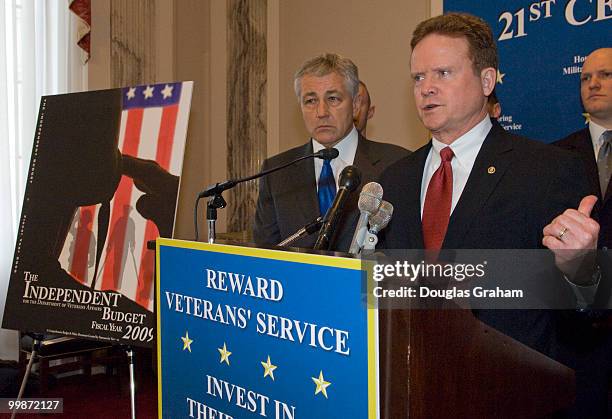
493, 157
584, 146
364, 161
413, 211
305, 197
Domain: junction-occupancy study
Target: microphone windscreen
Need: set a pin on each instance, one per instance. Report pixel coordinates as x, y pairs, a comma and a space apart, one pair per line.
327, 153
370, 197
381, 219
350, 178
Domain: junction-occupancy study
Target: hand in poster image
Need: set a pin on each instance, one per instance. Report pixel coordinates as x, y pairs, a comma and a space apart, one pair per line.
160, 190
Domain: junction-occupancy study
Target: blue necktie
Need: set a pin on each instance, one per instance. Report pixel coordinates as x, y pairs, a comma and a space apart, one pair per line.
327, 187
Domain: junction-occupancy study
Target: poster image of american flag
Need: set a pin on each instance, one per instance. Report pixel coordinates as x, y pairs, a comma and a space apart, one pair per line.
103, 181
152, 129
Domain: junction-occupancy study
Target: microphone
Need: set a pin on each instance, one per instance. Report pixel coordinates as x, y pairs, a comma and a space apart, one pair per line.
369, 201
350, 179
327, 153
381, 219
378, 221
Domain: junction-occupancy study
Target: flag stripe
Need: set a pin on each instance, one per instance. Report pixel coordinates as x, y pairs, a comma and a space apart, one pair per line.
118, 223
165, 142
83, 237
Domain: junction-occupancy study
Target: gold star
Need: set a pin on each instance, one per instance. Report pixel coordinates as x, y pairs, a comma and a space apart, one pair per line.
500, 77
587, 118
224, 354
186, 341
321, 384
268, 368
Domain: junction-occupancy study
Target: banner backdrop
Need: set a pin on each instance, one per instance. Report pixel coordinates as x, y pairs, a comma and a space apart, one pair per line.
103, 181
542, 46
246, 332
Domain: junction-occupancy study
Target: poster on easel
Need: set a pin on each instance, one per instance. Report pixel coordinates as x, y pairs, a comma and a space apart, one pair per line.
103, 183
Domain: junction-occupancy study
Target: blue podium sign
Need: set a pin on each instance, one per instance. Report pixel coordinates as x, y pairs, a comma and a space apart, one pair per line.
254, 333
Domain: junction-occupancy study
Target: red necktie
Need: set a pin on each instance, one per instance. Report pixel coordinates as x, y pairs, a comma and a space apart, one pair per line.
437, 208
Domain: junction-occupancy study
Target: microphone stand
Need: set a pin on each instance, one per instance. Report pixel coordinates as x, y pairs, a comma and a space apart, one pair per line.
304, 231
214, 192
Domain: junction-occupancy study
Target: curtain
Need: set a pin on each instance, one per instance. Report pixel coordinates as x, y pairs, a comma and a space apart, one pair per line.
38, 56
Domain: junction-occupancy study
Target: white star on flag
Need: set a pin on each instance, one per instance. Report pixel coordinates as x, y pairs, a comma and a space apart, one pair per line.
131, 94
167, 91
148, 92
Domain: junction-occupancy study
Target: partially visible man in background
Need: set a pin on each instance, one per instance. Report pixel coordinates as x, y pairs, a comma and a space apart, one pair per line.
594, 143
593, 353
365, 111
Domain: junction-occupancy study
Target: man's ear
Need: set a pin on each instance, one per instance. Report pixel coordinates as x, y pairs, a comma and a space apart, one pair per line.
371, 112
356, 105
488, 78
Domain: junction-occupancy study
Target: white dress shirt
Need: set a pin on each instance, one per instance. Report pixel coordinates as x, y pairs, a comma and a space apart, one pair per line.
466, 149
596, 130
347, 147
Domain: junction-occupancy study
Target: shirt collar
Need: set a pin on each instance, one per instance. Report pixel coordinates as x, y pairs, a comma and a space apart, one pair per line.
466, 147
596, 130
347, 147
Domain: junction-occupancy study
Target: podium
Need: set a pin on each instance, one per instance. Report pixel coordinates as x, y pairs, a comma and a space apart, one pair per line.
246, 332
303, 343
448, 364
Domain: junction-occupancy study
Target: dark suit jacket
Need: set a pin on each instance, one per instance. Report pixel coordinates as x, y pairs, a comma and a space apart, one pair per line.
580, 142
508, 209
288, 198
593, 359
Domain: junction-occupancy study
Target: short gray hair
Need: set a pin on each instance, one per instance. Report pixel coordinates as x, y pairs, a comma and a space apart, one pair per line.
327, 63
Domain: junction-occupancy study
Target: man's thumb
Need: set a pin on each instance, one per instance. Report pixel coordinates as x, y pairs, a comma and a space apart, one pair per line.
587, 204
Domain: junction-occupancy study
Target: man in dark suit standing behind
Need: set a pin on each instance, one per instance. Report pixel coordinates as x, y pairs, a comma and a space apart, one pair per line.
594, 144
593, 354
475, 186
327, 90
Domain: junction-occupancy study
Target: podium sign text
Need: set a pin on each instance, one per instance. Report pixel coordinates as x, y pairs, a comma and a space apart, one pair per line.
246, 332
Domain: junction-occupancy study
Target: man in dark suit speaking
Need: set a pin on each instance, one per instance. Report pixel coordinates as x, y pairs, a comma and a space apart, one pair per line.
327, 90
475, 186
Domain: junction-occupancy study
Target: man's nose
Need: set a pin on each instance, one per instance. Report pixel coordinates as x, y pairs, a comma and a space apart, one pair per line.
427, 88
322, 109
594, 82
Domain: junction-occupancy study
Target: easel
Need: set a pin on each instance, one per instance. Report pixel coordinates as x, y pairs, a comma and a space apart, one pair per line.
38, 338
